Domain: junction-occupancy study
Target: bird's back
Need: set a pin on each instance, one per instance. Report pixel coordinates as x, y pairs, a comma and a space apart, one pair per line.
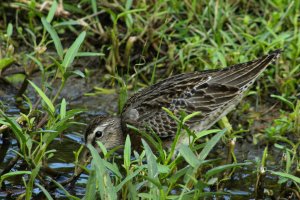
213, 93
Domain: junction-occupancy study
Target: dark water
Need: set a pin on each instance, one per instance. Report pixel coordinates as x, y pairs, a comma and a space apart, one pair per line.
65, 144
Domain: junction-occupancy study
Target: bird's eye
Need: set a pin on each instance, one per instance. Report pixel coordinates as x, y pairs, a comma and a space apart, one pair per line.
99, 134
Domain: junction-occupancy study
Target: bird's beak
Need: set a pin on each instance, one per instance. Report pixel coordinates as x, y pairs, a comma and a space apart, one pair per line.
84, 159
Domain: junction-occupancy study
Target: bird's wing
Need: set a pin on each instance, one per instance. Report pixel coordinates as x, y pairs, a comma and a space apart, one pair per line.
212, 93
184, 93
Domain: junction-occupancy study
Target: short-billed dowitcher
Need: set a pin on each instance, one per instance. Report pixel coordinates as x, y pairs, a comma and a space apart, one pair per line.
213, 93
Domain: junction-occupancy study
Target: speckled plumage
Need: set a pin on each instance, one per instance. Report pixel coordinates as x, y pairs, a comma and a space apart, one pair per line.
214, 93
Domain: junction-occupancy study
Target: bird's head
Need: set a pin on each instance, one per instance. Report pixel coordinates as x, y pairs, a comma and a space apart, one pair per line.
106, 130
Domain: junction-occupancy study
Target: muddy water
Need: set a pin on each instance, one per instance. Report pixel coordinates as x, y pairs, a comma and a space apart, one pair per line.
241, 185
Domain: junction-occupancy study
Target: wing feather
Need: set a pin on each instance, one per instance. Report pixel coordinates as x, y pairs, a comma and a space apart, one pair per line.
214, 93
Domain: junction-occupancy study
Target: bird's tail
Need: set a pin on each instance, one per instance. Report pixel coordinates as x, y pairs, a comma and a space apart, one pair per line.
243, 75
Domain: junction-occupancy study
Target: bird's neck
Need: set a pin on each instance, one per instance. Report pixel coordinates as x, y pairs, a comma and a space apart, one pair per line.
118, 133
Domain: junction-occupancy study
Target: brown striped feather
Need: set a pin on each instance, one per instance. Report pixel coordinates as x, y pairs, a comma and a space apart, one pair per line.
214, 93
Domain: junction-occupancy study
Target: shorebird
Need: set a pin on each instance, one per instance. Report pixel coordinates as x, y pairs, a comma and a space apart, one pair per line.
213, 93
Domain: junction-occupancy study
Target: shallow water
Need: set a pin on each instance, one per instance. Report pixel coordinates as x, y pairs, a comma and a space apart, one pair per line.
65, 144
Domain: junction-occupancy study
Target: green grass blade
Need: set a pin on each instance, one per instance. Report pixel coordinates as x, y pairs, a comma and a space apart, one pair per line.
30, 183
189, 156
151, 162
17, 130
89, 54
221, 168
206, 132
52, 11
39, 64
130, 177
127, 153
54, 37
46, 193
91, 189
9, 30
188, 117
152, 171
286, 175
210, 144
284, 100
113, 168
105, 186
68, 195
10, 174
44, 97
73, 50
5, 62
78, 73
63, 109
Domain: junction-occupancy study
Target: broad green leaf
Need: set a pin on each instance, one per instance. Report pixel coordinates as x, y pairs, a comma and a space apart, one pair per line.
46, 193
264, 157
10, 174
85, 54
284, 100
73, 112
17, 130
210, 144
16, 78
163, 169
54, 37
30, 183
127, 152
65, 191
63, 109
79, 73
9, 30
189, 156
105, 186
94, 6
152, 170
206, 132
73, 50
113, 168
151, 161
52, 11
222, 59
146, 196
43, 96
123, 96
4, 123
67, 23
5, 62
286, 175
128, 12
58, 64
102, 147
91, 186
221, 168
41, 67
188, 117
180, 173
169, 112
128, 19
129, 177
